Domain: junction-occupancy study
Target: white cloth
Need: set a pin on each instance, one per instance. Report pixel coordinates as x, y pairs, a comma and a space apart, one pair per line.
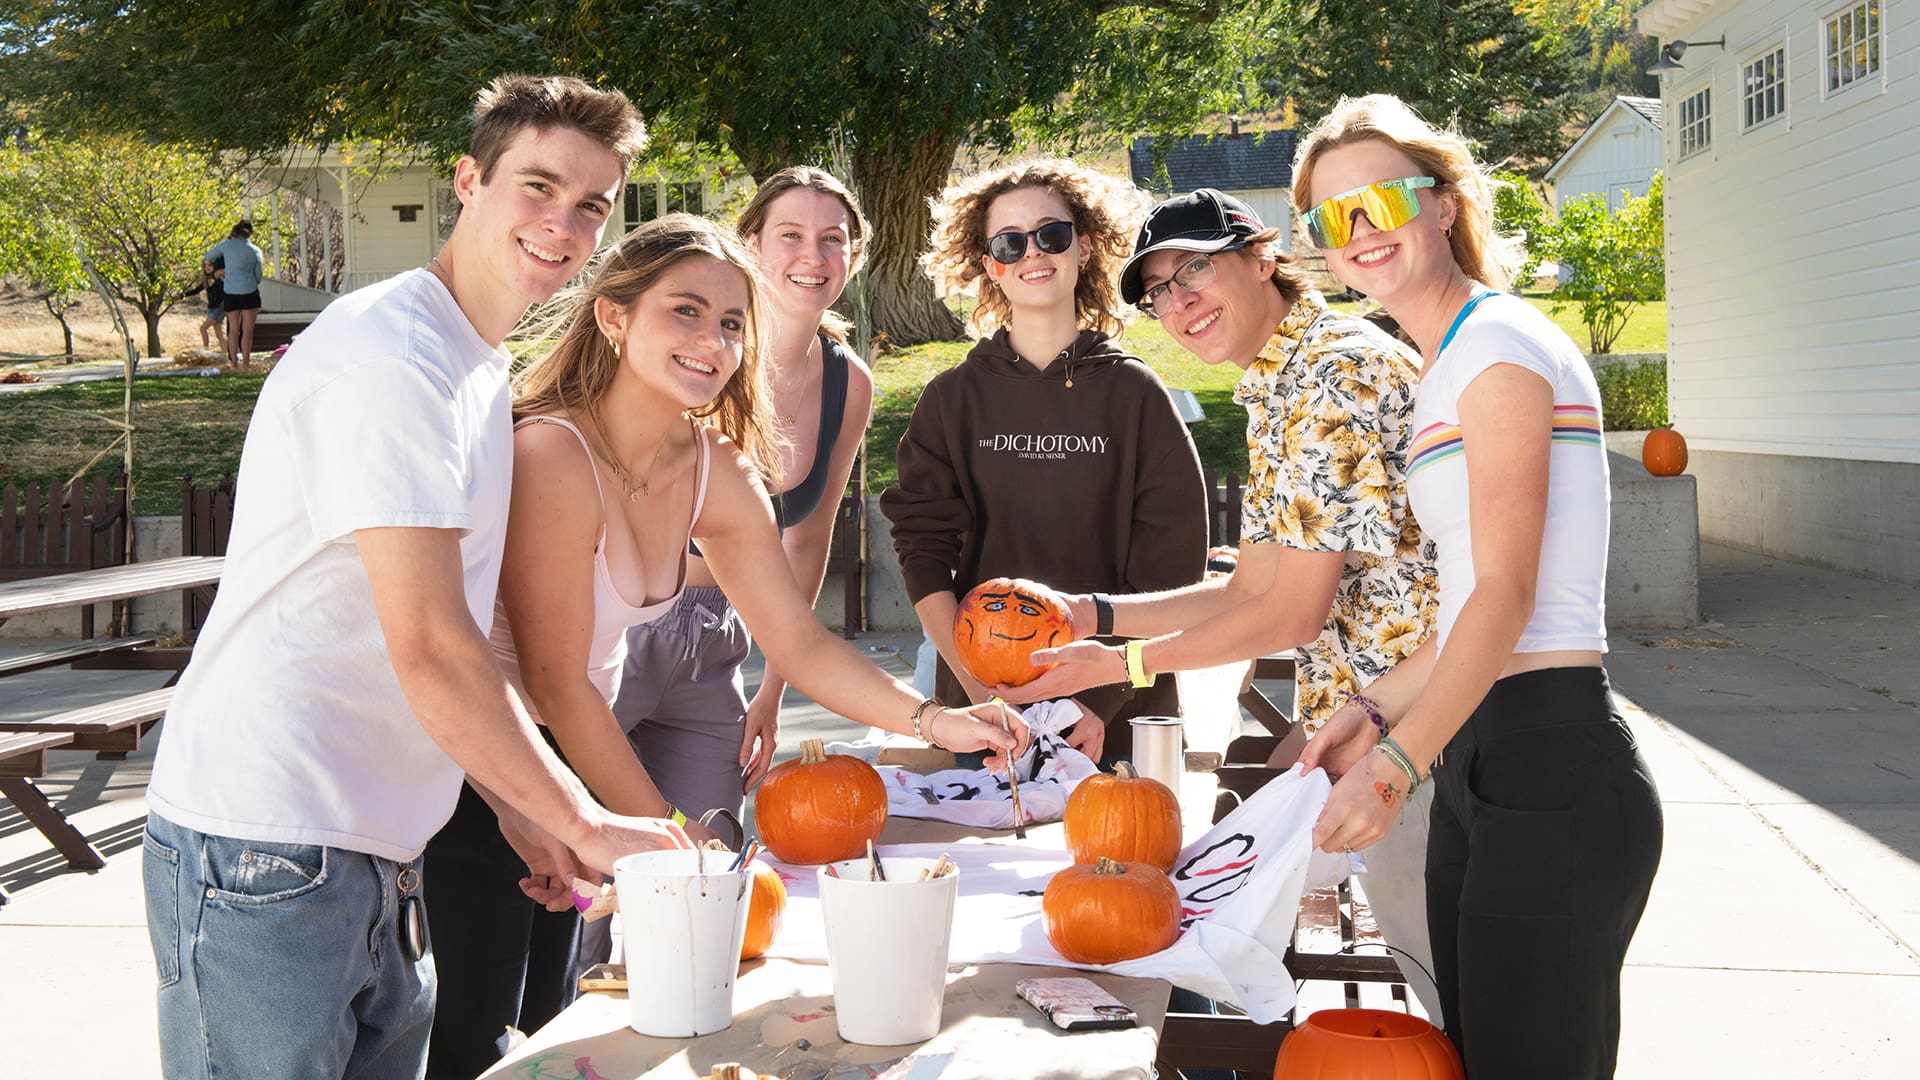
1047, 774
1240, 885
289, 724
1569, 609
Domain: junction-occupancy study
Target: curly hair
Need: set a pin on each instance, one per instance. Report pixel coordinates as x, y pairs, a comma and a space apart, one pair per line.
575, 374
1484, 254
1106, 212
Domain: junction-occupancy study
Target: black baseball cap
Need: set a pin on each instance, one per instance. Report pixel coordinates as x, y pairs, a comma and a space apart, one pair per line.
1206, 220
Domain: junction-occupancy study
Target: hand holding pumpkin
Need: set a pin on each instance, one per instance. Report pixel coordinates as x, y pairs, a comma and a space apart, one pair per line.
1069, 669
1001, 621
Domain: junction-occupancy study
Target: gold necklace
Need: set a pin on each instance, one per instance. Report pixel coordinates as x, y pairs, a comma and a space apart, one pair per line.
620, 472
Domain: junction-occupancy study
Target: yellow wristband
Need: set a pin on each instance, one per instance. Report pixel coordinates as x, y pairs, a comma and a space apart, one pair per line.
1137, 665
674, 815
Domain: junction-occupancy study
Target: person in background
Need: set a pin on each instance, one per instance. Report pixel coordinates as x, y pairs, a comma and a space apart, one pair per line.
214, 321
1331, 564
343, 687
1546, 827
242, 263
1050, 453
647, 425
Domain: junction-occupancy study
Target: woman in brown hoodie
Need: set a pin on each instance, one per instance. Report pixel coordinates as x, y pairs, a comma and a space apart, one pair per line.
1049, 453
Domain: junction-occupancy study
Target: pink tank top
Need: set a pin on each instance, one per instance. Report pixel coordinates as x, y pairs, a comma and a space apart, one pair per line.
612, 615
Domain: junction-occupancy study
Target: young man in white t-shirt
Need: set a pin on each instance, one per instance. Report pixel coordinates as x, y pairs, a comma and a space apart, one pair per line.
343, 687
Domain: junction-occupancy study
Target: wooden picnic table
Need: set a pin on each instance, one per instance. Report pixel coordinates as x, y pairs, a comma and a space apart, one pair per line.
197, 573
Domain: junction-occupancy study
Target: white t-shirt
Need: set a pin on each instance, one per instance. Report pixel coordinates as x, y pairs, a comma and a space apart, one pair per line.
1569, 607
289, 724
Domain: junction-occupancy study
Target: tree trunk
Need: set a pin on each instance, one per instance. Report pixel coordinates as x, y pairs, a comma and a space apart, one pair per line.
60, 313
894, 194
153, 331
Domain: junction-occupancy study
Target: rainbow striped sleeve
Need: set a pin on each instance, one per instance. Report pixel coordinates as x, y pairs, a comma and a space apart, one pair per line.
1575, 424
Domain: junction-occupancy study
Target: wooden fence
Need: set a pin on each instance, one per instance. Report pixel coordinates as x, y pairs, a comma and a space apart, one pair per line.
79, 526
1223, 508
206, 519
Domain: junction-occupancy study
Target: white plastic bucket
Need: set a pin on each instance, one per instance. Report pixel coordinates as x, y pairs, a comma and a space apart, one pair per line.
887, 947
682, 931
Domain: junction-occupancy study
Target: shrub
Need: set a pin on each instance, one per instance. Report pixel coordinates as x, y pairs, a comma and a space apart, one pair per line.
1633, 397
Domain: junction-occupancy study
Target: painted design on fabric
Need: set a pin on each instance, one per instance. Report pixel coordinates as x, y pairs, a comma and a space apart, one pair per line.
1329, 428
1575, 425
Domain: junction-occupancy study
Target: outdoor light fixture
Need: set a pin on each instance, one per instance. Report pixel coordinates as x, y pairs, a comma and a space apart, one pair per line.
1672, 51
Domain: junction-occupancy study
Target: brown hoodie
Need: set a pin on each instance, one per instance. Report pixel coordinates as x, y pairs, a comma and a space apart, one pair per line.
1080, 476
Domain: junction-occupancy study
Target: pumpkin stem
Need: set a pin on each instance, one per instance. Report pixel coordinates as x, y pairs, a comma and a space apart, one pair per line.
1108, 866
813, 752
727, 1071
1125, 770
716, 844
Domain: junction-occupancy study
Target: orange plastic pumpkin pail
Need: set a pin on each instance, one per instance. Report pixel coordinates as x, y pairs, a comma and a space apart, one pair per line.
1367, 1044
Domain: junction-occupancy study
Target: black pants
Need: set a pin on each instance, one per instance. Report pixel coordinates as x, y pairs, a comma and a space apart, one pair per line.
1546, 833
499, 958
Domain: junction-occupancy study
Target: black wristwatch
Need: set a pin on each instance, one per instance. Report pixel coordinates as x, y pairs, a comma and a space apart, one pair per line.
1102, 615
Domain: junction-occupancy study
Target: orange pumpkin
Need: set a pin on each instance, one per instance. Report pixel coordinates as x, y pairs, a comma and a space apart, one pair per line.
1108, 912
1367, 1044
820, 807
1001, 622
1664, 453
765, 905
1124, 817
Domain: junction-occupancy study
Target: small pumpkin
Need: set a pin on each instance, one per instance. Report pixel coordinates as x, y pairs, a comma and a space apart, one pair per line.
765, 904
1664, 453
820, 807
1374, 1044
1108, 912
1125, 817
1000, 623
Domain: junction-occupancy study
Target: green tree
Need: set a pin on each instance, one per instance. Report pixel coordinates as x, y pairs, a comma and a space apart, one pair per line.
1474, 63
1517, 208
145, 213
1613, 262
894, 89
38, 246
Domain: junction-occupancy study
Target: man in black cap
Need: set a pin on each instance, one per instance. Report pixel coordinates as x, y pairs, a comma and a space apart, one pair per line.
1332, 565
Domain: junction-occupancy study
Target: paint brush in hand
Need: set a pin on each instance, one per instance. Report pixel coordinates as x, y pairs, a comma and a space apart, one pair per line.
1013, 780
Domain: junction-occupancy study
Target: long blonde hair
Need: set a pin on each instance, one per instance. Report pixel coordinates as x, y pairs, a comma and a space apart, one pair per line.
1105, 211
795, 177
577, 372
1484, 254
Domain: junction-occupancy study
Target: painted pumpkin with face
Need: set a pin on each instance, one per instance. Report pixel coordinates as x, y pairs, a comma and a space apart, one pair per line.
1002, 621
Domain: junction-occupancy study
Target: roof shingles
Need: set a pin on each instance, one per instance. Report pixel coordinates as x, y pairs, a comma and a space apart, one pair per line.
1249, 162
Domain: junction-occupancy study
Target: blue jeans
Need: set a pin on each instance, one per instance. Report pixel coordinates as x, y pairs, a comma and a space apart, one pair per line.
281, 960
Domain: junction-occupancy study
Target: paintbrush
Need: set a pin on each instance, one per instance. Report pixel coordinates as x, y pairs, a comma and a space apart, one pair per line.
874, 871
1013, 781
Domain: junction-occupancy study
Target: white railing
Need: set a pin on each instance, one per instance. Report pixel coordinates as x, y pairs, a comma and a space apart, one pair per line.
360, 279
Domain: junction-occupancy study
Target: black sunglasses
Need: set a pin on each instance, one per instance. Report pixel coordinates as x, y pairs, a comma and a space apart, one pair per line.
1053, 238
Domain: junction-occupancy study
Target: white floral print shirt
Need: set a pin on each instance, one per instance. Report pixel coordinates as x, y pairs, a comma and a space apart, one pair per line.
1329, 430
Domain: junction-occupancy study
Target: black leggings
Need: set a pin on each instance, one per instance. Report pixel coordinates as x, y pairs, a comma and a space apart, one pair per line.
1546, 833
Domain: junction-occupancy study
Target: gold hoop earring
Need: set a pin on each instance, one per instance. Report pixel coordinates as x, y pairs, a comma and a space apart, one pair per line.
614, 345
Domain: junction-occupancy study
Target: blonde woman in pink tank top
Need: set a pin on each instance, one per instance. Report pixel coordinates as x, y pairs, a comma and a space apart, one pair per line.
657, 427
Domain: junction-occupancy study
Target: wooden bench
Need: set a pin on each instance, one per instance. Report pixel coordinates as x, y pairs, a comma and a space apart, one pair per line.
23, 756
79, 651
111, 727
847, 551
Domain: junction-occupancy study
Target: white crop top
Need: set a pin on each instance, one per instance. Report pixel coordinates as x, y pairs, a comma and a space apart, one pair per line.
1569, 607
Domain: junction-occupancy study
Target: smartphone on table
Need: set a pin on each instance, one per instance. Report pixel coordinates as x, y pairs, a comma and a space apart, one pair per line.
1076, 1004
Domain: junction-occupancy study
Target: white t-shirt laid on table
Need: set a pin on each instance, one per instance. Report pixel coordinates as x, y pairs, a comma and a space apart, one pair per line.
1569, 609
289, 724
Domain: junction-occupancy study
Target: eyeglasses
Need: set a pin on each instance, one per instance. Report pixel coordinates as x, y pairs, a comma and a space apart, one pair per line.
1053, 238
1193, 275
1388, 204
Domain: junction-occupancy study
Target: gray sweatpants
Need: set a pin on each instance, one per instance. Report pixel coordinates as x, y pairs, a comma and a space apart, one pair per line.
1395, 886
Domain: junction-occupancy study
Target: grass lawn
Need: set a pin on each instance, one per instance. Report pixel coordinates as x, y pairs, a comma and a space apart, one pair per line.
185, 425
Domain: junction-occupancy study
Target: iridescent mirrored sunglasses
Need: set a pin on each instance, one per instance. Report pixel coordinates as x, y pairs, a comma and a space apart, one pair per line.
1388, 204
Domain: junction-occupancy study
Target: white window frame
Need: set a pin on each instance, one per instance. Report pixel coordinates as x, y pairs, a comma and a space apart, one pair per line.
1778, 88
1683, 126
1874, 42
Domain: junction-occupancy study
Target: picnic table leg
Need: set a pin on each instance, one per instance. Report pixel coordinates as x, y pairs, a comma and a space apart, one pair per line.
52, 824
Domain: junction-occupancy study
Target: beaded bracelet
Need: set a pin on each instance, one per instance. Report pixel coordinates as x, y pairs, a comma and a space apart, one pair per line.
925, 734
1349, 697
1399, 757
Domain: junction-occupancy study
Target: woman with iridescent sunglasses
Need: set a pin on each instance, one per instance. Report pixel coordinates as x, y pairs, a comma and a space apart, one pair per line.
1546, 827
1049, 453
